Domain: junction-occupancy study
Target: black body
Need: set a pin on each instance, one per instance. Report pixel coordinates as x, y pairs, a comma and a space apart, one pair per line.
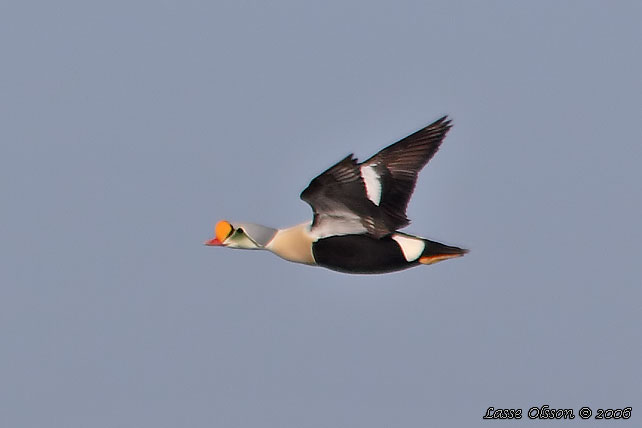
360, 254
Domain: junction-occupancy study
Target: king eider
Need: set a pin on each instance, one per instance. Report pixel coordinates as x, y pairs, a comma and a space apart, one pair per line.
358, 210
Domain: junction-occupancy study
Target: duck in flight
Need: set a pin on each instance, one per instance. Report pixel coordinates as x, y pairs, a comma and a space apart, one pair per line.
358, 210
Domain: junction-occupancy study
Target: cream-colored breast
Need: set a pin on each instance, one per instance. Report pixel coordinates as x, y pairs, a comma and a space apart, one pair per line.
293, 244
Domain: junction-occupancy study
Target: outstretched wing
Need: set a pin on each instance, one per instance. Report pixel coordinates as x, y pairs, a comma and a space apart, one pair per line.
394, 170
372, 197
338, 199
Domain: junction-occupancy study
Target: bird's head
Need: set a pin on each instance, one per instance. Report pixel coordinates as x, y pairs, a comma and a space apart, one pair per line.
247, 236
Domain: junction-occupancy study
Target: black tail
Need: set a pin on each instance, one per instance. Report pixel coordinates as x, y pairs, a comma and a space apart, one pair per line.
436, 252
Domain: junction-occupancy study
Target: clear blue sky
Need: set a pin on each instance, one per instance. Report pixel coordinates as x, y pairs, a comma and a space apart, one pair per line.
130, 127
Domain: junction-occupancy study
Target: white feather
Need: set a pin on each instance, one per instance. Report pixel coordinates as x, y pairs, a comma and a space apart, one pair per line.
345, 223
410, 247
373, 183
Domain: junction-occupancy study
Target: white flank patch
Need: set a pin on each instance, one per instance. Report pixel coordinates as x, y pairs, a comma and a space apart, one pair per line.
410, 247
373, 185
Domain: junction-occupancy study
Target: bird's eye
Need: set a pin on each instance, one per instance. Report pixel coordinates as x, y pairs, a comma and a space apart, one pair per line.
239, 230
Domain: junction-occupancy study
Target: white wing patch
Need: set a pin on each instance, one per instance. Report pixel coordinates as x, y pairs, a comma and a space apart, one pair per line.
343, 223
372, 182
410, 247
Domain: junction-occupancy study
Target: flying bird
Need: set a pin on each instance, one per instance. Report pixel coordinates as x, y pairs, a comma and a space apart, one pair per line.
358, 211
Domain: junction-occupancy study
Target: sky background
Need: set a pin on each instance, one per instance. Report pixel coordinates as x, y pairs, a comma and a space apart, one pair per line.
128, 128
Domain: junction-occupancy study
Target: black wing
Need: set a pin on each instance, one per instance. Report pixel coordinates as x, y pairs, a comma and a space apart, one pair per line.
338, 199
398, 166
343, 203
